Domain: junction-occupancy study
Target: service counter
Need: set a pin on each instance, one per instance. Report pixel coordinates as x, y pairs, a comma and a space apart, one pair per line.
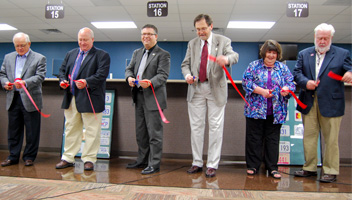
177, 143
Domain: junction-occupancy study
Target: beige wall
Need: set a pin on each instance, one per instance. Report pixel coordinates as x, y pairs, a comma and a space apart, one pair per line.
176, 134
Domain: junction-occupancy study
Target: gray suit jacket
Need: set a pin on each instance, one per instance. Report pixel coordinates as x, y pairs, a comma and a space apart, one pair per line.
33, 74
157, 70
221, 45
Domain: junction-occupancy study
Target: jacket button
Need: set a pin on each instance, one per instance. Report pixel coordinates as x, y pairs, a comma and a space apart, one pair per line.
313, 95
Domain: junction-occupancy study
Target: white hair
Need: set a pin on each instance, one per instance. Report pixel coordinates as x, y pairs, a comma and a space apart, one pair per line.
324, 27
86, 28
21, 34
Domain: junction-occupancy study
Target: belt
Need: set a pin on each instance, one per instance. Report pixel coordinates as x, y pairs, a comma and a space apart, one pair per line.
206, 80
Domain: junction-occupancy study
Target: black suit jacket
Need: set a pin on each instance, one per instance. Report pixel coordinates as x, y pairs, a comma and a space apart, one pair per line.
94, 69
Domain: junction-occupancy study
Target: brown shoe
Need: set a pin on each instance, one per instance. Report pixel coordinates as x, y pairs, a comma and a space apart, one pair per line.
28, 163
194, 169
88, 166
328, 178
8, 163
304, 173
64, 164
211, 172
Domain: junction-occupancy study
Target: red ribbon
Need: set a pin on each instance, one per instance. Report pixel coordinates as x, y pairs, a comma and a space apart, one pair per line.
334, 76
212, 58
90, 100
302, 105
30, 97
157, 103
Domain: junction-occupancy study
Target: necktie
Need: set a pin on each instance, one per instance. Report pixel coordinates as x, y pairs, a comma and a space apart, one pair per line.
203, 63
75, 71
142, 65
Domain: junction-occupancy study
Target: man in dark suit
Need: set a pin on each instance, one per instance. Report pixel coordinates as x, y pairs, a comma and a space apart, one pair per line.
207, 90
30, 67
83, 67
324, 98
150, 65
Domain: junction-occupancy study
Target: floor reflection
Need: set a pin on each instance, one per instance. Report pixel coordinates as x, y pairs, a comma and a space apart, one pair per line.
173, 174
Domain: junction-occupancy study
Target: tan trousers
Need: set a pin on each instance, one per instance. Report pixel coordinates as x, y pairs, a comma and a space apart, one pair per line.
313, 123
74, 124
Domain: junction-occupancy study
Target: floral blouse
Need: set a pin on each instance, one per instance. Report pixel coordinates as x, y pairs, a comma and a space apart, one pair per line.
256, 75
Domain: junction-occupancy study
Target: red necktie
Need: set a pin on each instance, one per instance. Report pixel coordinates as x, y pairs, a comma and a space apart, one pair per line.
203, 63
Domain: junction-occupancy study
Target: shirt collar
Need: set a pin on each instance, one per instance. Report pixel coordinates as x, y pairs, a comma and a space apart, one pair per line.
209, 40
25, 55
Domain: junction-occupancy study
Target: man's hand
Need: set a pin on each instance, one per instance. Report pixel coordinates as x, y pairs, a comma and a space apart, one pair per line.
311, 85
347, 77
145, 83
8, 86
64, 84
190, 79
81, 83
222, 60
18, 83
131, 81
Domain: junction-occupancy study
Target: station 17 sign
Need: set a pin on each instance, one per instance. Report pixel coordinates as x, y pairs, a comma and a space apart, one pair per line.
157, 8
297, 9
54, 11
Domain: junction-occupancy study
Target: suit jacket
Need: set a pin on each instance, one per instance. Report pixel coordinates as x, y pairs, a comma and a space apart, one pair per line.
331, 97
33, 74
221, 45
157, 70
94, 69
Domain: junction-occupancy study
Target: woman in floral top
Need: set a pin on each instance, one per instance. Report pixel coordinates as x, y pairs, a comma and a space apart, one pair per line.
266, 82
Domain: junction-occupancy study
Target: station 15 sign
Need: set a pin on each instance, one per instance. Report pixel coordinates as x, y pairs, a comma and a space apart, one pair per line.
157, 8
297, 9
54, 11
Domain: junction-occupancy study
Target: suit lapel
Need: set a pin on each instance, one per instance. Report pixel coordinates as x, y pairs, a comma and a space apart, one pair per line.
328, 57
151, 56
11, 74
213, 51
27, 64
86, 59
197, 46
139, 56
312, 55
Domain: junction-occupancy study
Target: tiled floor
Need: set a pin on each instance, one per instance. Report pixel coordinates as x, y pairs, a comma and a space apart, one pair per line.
230, 175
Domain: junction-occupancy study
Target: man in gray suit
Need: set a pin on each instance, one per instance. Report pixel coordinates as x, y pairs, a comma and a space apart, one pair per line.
207, 90
30, 68
149, 65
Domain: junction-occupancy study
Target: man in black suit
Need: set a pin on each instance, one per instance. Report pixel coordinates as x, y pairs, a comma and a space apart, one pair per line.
151, 65
31, 68
83, 67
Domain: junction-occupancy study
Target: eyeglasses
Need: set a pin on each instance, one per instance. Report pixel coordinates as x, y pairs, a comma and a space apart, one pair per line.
148, 34
202, 29
20, 45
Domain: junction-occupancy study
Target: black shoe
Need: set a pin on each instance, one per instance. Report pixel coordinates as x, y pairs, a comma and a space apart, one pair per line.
304, 173
8, 163
150, 170
136, 165
328, 178
194, 169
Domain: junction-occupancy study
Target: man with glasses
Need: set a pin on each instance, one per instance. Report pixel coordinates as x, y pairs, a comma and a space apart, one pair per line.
29, 68
149, 67
207, 90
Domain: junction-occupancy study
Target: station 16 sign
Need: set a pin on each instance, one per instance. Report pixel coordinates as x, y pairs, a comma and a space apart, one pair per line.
157, 8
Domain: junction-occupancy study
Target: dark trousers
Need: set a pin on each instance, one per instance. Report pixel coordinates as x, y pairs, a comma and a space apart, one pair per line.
149, 133
18, 119
262, 134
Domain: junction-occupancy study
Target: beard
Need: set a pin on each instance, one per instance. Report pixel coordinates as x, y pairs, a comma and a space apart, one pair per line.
322, 50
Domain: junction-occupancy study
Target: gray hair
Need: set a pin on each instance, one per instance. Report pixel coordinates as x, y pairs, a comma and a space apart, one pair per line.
21, 34
324, 27
86, 28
